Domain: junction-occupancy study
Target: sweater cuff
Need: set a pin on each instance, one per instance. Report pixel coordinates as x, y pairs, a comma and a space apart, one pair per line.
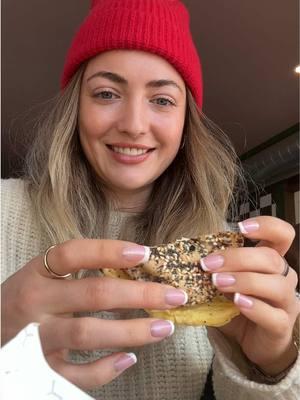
232, 374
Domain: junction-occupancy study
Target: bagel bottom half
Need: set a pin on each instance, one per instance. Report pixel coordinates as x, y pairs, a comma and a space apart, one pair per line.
216, 313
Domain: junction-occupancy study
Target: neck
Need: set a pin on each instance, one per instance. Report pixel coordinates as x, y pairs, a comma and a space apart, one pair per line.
132, 201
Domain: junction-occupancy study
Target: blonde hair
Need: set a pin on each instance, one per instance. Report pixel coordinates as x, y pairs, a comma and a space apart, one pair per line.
196, 194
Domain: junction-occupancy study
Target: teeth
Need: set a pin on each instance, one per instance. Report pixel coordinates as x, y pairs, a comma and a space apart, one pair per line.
129, 151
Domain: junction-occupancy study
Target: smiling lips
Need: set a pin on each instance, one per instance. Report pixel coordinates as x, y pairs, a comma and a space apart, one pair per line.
129, 151
129, 154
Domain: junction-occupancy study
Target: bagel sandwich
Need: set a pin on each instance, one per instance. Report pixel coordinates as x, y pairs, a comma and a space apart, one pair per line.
178, 264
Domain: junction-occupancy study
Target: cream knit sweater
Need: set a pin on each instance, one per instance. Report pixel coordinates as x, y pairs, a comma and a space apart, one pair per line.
173, 369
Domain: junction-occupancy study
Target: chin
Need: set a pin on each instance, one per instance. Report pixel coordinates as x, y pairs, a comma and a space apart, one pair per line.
131, 186
131, 181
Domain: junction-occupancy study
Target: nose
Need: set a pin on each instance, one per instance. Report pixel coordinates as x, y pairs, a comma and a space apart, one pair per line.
133, 120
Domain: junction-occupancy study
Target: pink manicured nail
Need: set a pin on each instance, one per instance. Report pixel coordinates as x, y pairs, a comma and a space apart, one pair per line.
222, 280
125, 362
162, 328
211, 262
248, 226
242, 300
137, 253
176, 297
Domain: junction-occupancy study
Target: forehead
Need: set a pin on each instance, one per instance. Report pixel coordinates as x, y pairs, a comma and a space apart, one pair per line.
133, 65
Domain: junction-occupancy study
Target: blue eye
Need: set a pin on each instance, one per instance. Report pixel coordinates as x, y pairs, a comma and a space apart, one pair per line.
162, 101
105, 95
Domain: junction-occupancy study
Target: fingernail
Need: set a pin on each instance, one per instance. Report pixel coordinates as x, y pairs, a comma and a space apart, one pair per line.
211, 262
222, 280
248, 226
242, 300
176, 297
136, 253
162, 328
125, 361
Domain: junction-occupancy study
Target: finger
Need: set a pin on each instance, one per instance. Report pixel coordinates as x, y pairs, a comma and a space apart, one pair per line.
274, 289
73, 255
262, 259
88, 333
98, 373
94, 294
274, 320
272, 232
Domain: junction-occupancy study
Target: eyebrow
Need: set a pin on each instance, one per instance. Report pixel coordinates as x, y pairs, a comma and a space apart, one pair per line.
116, 78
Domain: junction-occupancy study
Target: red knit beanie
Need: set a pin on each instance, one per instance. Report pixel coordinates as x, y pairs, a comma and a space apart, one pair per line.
157, 26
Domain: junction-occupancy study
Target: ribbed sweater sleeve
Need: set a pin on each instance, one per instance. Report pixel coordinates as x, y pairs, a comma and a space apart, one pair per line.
20, 240
231, 375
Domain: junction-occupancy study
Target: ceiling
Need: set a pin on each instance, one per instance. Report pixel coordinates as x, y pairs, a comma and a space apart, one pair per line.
248, 50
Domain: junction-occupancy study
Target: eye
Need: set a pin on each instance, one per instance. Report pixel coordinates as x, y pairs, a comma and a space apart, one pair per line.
105, 95
163, 101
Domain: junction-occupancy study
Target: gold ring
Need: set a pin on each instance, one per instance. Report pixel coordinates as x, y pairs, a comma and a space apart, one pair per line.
286, 268
51, 272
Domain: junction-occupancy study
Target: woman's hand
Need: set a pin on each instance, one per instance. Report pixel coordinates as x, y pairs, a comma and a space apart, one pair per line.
266, 298
31, 295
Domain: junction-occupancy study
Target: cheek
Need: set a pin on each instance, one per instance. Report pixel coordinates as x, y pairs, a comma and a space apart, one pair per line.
92, 122
171, 132
90, 130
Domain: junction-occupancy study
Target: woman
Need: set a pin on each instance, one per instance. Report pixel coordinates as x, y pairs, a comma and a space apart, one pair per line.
126, 158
